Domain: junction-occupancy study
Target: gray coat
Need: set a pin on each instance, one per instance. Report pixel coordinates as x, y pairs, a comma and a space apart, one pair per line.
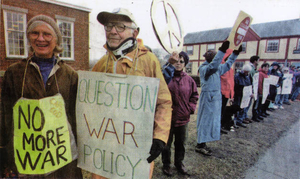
210, 101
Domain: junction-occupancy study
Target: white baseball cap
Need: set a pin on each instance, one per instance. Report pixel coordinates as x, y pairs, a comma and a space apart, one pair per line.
118, 13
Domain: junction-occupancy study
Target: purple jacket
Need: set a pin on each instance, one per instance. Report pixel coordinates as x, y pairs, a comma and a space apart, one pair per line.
184, 97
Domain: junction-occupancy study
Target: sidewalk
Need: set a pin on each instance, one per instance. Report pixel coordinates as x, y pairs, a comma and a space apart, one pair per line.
282, 161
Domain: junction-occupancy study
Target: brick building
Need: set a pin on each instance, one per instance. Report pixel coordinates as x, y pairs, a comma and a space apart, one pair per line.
72, 20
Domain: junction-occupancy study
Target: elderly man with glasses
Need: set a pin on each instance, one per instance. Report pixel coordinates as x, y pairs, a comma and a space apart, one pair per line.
127, 55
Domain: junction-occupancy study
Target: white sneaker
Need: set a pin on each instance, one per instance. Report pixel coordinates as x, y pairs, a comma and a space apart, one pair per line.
281, 107
275, 107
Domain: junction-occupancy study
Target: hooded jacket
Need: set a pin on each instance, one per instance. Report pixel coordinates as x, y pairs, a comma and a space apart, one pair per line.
141, 62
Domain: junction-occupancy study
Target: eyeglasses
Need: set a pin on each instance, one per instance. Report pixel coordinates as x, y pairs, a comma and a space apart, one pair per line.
181, 61
119, 27
34, 35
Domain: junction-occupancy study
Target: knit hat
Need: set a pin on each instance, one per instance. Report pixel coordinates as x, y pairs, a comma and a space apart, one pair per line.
117, 13
185, 57
209, 55
247, 67
49, 21
275, 64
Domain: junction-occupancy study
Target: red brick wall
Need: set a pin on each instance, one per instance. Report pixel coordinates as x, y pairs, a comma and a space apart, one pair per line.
81, 29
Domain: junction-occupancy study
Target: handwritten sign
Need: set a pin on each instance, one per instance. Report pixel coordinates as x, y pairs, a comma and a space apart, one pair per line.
287, 84
273, 80
266, 90
41, 135
115, 117
239, 30
255, 85
247, 91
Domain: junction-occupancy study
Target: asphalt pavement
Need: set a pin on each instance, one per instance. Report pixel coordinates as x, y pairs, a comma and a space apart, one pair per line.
282, 161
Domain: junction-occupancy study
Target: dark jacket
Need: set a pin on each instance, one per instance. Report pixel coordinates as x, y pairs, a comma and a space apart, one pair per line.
240, 81
184, 97
34, 88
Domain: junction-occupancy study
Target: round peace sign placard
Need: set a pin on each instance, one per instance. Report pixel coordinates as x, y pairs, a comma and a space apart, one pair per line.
166, 25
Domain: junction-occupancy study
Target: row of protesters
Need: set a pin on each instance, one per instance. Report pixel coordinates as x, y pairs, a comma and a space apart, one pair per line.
210, 101
184, 97
280, 97
44, 75
295, 86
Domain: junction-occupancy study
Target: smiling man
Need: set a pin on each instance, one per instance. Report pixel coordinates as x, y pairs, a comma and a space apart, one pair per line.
127, 55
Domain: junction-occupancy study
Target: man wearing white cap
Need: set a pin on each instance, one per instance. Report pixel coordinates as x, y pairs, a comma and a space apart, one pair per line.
127, 55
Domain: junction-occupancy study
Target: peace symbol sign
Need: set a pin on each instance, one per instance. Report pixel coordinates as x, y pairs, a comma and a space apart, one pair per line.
166, 25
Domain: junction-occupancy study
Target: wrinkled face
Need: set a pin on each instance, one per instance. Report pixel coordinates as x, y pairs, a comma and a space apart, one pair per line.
115, 38
43, 41
179, 65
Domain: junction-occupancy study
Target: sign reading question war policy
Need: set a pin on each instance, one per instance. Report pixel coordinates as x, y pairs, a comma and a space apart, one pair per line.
115, 117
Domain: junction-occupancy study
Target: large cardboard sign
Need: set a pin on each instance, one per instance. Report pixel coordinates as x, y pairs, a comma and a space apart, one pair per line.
41, 135
115, 116
255, 85
266, 89
287, 84
273, 80
247, 91
239, 30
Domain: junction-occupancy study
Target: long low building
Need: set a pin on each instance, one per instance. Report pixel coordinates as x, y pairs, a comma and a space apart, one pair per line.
273, 41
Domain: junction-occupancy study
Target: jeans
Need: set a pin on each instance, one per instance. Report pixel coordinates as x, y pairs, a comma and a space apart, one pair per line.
279, 99
286, 98
180, 137
295, 93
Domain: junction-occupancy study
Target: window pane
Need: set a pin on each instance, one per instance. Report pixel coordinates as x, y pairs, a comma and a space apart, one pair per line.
67, 38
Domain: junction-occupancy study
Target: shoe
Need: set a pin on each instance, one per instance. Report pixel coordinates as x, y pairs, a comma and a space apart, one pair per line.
223, 131
255, 119
288, 103
245, 121
241, 125
267, 114
270, 109
281, 107
167, 170
260, 118
204, 150
249, 120
263, 115
181, 169
231, 129
275, 107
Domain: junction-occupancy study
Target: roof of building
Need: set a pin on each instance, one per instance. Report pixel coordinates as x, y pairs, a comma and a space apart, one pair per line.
263, 30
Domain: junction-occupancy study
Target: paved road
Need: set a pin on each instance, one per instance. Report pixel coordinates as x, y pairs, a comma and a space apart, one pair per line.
282, 161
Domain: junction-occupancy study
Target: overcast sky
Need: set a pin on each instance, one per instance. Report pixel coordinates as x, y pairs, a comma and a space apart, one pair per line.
194, 15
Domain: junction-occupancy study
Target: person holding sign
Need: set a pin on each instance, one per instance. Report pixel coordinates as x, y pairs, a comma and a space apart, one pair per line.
277, 75
262, 105
210, 101
38, 125
241, 80
184, 97
127, 55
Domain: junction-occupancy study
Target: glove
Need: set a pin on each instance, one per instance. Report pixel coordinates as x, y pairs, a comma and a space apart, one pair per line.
174, 58
237, 52
156, 148
224, 46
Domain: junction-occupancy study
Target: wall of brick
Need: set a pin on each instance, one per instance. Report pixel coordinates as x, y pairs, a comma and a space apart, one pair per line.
35, 7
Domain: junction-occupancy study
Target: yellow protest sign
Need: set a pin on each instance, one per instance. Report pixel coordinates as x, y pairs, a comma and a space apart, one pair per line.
41, 135
239, 30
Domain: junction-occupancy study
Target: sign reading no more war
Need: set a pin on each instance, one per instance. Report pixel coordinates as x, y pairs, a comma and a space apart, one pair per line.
115, 116
41, 135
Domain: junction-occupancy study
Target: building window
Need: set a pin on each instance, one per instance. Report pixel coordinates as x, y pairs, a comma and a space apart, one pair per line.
190, 50
67, 31
211, 46
188, 68
273, 45
298, 46
15, 34
244, 46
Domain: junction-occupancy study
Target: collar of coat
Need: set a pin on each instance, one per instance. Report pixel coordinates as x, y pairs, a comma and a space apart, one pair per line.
130, 57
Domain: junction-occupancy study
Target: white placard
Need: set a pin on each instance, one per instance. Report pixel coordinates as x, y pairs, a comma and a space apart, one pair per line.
266, 90
287, 84
247, 91
255, 85
273, 80
115, 116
